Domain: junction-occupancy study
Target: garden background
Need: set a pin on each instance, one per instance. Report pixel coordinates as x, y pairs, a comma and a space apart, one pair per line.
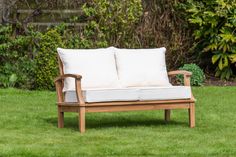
200, 32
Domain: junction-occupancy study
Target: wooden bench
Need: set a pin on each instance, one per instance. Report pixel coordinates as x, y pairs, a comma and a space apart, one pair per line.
82, 107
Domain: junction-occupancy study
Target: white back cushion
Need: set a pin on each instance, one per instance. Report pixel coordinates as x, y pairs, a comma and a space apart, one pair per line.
142, 67
97, 67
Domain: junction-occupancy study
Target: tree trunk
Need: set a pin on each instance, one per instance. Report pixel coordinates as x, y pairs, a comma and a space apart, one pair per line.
1, 10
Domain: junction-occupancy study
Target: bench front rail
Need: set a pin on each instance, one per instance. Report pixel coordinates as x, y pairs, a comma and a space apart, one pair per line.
81, 107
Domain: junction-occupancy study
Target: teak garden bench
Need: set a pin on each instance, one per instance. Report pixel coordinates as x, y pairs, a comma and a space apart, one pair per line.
82, 107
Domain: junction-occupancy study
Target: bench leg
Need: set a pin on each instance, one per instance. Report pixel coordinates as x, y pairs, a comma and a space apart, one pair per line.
191, 112
60, 119
167, 115
82, 119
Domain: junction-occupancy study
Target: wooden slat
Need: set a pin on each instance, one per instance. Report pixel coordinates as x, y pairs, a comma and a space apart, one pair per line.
60, 64
66, 11
69, 108
56, 23
120, 108
141, 102
135, 108
130, 103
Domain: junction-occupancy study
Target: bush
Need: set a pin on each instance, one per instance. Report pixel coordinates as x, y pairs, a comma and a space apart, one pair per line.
46, 60
16, 60
215, 23
113, 22
197, 78
29, 60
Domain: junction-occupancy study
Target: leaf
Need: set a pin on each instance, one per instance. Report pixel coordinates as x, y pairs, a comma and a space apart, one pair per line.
220, 65
12, 80
232, 58
212, 47
209, 13
223, 75
215, 58
228, 74
196, 20
218, 72
197, 34
228, 37
225, 61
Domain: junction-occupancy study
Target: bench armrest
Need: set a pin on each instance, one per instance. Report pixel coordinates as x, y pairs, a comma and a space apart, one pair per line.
59, 82
187, 75
62, 77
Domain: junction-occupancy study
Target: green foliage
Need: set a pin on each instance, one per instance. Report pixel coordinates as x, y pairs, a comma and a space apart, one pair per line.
113, 22
73, 40
197, 78
16, 64
215, 31
46, 59
29, 60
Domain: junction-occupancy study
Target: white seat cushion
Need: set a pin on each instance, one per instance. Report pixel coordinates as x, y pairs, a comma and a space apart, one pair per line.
104, 95
164, 93
142, 67
97, 67
132, 94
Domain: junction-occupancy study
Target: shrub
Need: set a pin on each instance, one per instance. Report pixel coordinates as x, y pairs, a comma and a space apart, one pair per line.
46, 59
113, 22
119, 23
215, 24
197, 77
16, 62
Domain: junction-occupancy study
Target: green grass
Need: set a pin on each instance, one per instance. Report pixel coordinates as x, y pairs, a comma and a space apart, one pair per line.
28, 127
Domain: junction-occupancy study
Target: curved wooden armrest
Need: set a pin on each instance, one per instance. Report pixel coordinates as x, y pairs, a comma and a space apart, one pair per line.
62, 77
186, 74
59, 87
182, 72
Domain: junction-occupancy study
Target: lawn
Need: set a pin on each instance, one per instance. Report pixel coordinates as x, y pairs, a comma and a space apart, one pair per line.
28, 127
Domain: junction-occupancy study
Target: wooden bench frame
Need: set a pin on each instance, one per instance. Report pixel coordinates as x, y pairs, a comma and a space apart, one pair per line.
82, 107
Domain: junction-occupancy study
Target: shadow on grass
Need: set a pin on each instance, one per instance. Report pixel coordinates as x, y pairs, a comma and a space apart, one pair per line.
121, 121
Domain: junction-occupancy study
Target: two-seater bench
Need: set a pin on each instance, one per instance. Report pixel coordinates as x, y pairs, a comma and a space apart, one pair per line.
112, 79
